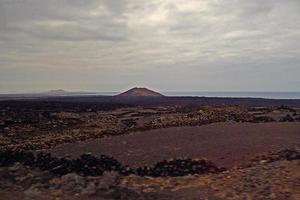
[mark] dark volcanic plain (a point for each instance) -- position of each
(256, 140)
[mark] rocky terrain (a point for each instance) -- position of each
(271, 176)
(154, 148)
(267, 180)
(40, 125)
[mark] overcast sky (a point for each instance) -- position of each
(168, 45)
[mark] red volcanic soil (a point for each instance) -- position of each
(140, 92)
(226, 144)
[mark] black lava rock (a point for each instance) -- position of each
(287, 118)
(178, 167)
(289, 155)
(89, 165)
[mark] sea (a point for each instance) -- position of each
(267, 95)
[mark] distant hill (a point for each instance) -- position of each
(56, 92)
(49, 93)
(140, 92)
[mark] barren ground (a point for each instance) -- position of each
(228, 132)
(226, 144)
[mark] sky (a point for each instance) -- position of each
(166, 45)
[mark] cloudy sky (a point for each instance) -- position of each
(168, 45)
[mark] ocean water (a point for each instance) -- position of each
(268, 95)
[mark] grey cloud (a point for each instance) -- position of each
(137, 41)
(76, 32)
(61, 20)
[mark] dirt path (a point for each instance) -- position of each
(226, 144)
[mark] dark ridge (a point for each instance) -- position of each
(178, 167)
(89, 165)
(150, 100)
(56, 106)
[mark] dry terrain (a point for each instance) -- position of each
(226, 144)
(154, 148)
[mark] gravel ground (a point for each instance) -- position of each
(278, 181)
(225, 144)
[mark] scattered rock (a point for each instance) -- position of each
(178, 167)
(90, 189)
(33, 193)
(110, 168)
(108, 180)
(287, 154)
(89, 165)
(257, 119)
(72, 182)
(287, 118)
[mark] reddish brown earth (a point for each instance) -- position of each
(140, 92)
(226, 144)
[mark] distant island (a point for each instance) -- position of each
(140, 92)
(56, 92)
